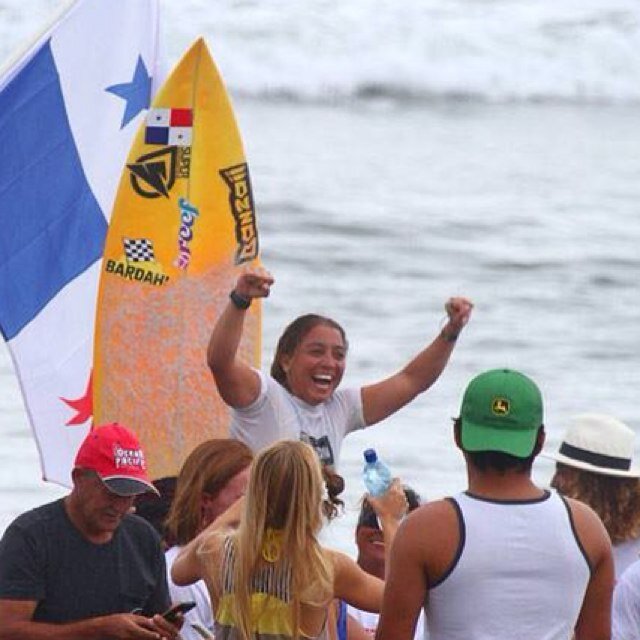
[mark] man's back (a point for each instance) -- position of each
(518, 566)
(430, 545)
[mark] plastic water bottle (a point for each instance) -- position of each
(376, 475)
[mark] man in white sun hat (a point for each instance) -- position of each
(84, 566)
(595, 466)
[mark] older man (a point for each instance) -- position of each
(84, 566)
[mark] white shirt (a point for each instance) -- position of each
(625, 554)
(369, 622)
(278, 415)
(198, 593)
(520, 572)
(625, 613)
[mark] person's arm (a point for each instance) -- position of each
(238, 384)
(594, 621)
(187, 568)
(390, 509)
(351, 583)
(383, 398)
(357, 587)
(17, 624)
(406, 585)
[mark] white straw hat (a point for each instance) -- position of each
(598, 443)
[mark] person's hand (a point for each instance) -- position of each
(168, 630)
(254, 282)
(458, 313)
(391, 506)
(130, 626)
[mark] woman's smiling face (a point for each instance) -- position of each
(317, 365)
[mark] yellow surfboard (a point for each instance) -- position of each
(183, 225)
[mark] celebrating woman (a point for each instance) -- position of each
(301, 399)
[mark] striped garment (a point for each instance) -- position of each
(270, 602)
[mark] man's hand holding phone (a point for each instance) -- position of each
(171, 621)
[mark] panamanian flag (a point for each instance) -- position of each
(169, 127)
(70, 106)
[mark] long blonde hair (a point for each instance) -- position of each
(284, 494)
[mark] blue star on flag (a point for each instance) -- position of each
(136, 93)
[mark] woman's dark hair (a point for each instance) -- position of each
(334, 483)
(293, 335)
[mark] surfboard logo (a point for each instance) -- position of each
(138, 250)
(138, 263)
(153, 174)
(243, 210)
(169, 127)
(188, 215)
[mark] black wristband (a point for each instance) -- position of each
(449, 337)
(239, 302)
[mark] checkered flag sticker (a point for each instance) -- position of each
(138, 250)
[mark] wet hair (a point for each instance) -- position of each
(207, 469)
(284, 494)
(293, 335)
(499, 461)
(368, 517)
(334, 483)
(616, 500)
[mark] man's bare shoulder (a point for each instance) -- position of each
(429, 537)
(590, 531)
(585, 518)
(439, 518)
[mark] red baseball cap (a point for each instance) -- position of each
(114, 453)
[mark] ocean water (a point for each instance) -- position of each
(403, 153)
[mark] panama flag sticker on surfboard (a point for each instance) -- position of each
(183, 225)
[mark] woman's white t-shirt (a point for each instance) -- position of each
(197, 592)
(276, 414)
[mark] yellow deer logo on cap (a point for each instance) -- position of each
(500, 406)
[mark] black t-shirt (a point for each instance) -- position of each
(43, 557)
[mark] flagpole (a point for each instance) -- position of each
(24, 51)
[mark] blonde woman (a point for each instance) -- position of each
(272, 576)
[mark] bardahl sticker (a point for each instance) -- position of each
(138, 264)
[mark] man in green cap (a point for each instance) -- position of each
(505, 558)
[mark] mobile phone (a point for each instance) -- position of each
(171, 614)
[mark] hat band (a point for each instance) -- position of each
(596, 459)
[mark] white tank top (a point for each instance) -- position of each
(520, 571)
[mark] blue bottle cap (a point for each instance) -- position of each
(370, 455)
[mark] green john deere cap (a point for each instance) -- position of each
(501, 411)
